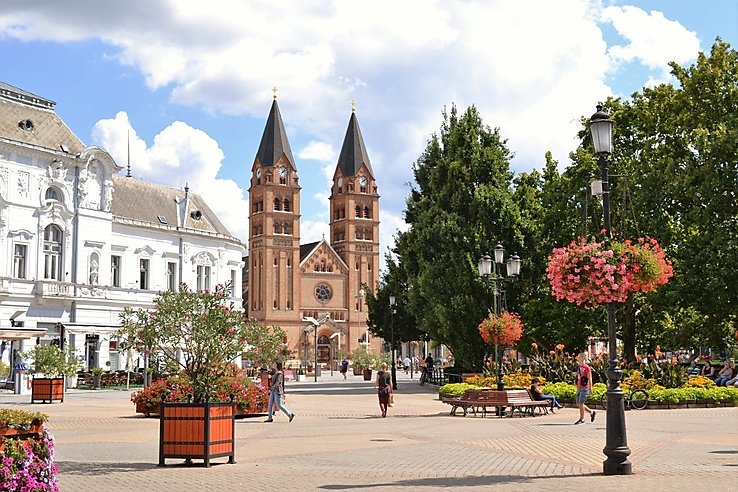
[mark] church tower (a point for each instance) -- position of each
(274, 222)
(354, 224)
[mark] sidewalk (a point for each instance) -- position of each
(338, 442)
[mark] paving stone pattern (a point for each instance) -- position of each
(338, 441)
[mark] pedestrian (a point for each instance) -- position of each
(416, 362)
(538, 395)
(584, 388)
(383, 387)
(276, 394)
(344, 367)
(406, 364)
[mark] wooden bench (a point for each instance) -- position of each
(479, 400)
(524, 403)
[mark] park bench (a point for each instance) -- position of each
(478, 400)
(524, 403)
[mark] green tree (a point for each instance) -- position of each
(266, 344)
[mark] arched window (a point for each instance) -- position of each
(286, 205)
(277, 228)
(277, 204)
(367, 213)
(288, 228)
(358, 211)
(53, 241)
(53, 194)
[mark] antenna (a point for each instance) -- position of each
(187, 189)
(128, 173)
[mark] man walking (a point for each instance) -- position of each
(584, 388)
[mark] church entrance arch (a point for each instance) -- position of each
(324, 348)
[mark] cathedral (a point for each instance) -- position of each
(313, 291)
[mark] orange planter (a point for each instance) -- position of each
(47, 390)
(197, 431)
(36, 432)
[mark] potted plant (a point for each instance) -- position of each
(589, 272)
(97, 373)
(50, 365)
(208, 331)
(365, 359)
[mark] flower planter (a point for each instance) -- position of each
(197, 431)
(35, 431)
(47, 390)
(147, 410)
(367, 374)
(357, 371)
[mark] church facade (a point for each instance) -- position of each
(314, 291)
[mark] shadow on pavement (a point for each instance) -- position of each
(101, 468)
(455, 482)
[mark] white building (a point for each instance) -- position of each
(78, 243)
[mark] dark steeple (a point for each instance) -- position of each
(353, 152)
(274, 141)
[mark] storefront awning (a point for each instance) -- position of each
(89, 328)
(20, 333)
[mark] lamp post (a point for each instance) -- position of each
(616, 440)
(392, 301)
(488, 273)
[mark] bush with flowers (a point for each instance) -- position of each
(198, 331)
(249, 397)
(27, 464)
(588, 272)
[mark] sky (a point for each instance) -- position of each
(190, 82)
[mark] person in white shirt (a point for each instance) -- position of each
(406, 364)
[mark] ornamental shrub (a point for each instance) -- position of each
(454, 390)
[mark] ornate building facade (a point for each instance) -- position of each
(80, 243)
(314, 291)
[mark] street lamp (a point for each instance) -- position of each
(392, 301)
(488, 273)
(616, 441)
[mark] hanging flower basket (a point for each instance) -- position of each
(588, 273)
(504, 330)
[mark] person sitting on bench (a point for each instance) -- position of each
(538, 395)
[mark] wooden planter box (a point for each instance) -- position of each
(357, 371)
(367, 374)
(47, 390)
(197, 431)
(36, 431)
(146, 410)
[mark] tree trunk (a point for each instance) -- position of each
(629, 330)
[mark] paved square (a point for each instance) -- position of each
(339, 442)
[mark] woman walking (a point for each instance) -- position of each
(584, 388)
(277, 393)
(382, 384)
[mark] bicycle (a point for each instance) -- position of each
(638, 400)
(423, 376)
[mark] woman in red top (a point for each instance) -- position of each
(584, 388)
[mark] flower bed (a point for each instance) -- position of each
(250, 398)
(27, 452)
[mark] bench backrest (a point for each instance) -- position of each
(518, 396)
(494, 397)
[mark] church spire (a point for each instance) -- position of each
(353, 152)
(274, 141)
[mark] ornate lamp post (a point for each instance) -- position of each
(392, 301)
(616, 444)
(488, 273)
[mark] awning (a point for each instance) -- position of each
(89, 328)
(20, 333)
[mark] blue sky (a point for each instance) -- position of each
(193, 85)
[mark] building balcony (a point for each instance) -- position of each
(53, 288)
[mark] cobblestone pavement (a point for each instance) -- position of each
(339, 442)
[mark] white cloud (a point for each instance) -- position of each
(652, 39)
(532, 68)
(179, 155)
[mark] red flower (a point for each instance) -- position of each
(586, 273)
(504, 330)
